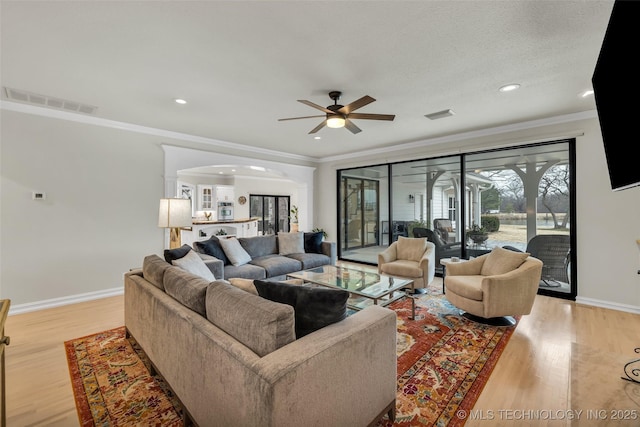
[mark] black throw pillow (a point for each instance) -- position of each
(212, 247)
(313, 242)
(314, 307)
(177, 253)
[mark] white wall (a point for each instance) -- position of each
(607, 224)
(103, 186)
(103, 182)
(98, 220)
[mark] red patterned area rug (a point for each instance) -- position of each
(113, 386)
(444, 362)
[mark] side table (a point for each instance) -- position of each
(444, 262)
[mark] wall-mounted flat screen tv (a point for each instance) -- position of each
(616, 91)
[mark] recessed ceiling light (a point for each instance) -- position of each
(509, 87)
(180, 101)
(317, 137)
(221, 173)
(587, 93)
(233, 170)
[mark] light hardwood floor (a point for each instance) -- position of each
(562, 359)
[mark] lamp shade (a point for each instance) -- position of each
(174, 213)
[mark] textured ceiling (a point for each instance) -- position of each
(242, 65)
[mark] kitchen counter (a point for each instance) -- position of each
(228, 221)
(203, 229)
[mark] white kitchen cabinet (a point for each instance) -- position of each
(224, 193)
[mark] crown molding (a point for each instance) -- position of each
(98, 121)
(567, 118)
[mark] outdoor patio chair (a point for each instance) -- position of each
(554, 251)
(444, 227)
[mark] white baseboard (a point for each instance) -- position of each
(57, 302)
(608, 304)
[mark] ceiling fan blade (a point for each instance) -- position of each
(319, 107)
(320, 126)
(358, 103)
(366, 116)
(306, 117)
(353, 128)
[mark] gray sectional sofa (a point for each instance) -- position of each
(232, 357)
(269, 259)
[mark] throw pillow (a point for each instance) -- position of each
(314, 307)
(500, 261)
(248, 286)
(313, 242)
(194, 265)
(244, 284)
(177, 253)
(234, 251)
(291, 243)
(212, 247)
(411, 248)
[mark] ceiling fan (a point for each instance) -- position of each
(338, 116)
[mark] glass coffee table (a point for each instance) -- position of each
(366, 285)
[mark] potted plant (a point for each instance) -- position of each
(294, 218)
(478, 234)
(320, 230)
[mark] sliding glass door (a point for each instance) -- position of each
(272, 213)
(519, 198)
(363, 218)
(360, 212)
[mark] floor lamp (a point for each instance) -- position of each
(173, 214)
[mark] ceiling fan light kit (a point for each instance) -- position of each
(337, 116)
(335, 121)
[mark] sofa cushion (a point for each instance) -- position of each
(313, 242)
(500, 261)
(290, 243)
(153, 269)
(261, 325)
(188, 289)
(192, 263)
(212, 247)
(247, 271)
(277, 265)
(177, 253)
(315, 307)
(411, 248)
(258, 246)
(310, 260)
(234, 251)
(403, 268)
(469, 287)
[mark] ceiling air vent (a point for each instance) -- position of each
(48, 101)
(439, 114)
